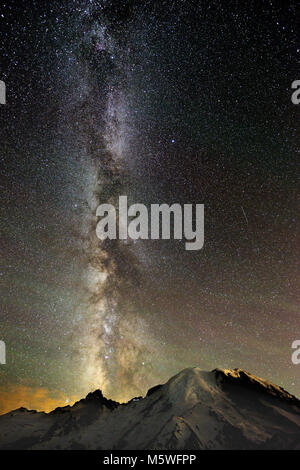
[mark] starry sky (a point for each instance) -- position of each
(171, 101)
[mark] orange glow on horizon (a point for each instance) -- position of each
(39, 399)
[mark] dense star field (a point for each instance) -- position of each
(171, 101)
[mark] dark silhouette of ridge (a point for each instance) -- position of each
(195, 409)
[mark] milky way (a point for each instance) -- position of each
(169, 102)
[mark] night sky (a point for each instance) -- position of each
(170, 101)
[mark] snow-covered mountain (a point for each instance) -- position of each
(222, 409)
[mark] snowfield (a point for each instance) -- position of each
(222, 409)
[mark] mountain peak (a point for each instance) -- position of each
(250, 381)
(97, 398)
(195, 409)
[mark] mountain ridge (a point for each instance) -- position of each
(195, 409)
